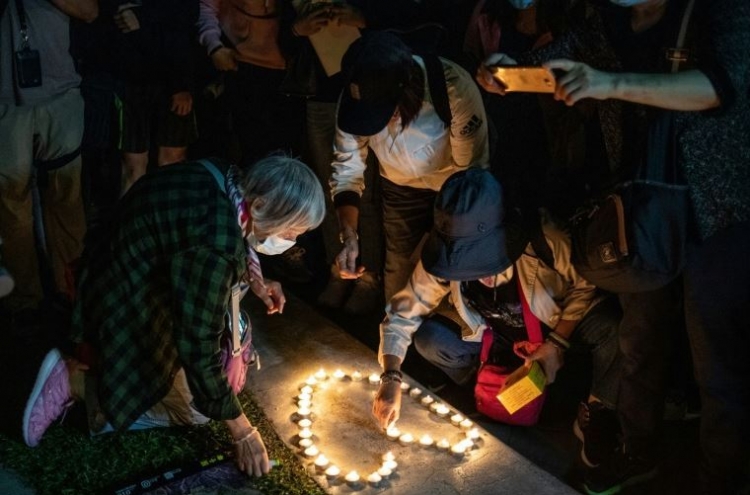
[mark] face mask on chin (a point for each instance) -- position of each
(499, 279)
(271, 245)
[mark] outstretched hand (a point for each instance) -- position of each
(580, 81)
(387, 405)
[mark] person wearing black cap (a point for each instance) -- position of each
(486, 266)
(386, 107)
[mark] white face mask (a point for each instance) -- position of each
(499, 279)
(522, 4)
(272, 245)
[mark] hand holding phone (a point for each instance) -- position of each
(516, 78)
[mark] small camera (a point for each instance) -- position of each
(28, 68)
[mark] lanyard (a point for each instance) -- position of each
(24, 27)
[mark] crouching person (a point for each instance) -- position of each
(487, 266)
(154, 294)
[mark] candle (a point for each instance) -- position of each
(320, 374)
(338, 375)
(305, 442)
(385, 471)
(472, 434)
(405, 386)
(388, 456)
(374, 479)
(459, 449)
(374, 379)
(311, 380)
(393, 433)
(426, 440)
(456, 419)
(332, 472)
(304, 404)
(321, 462)
(304, 396)
(390, 465)
(427, 400)
(305, 433)
(466, 424)
(306, 389)
(303, 412)
(415, 392)
(406, 439)
(312, 451)
(356, 376)
(352, 478)
(442, 410)
(304, 423)
(434, 406)
(443, 444)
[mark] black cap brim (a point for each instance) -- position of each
(363, 118)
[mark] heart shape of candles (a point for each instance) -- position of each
(322, 380)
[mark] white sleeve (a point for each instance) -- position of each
(209, 30)
(349, 162)
(469, 131)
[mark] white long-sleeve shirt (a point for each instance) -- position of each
(426, 153)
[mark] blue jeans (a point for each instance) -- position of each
(597, 332)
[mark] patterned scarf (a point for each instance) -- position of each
(234, 192)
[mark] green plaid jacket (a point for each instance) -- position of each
(154, 292)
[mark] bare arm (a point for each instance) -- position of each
(84, 10)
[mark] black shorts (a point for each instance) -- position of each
(145, 117)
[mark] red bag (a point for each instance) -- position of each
(492, 377)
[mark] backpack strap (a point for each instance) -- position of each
(533, 326)
(438, 87)
(532, 224)
(213, 170)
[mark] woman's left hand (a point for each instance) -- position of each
(551, 359)
(580, 81)
(269, 291)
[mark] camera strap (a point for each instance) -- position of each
(22, 22)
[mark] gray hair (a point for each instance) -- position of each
(283, 193)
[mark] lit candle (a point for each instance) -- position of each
(303, 412)
(415, 392)
(393, 433)
(472, 434)
(426, 440)
(388, 456)
(405, 386)
(332, 472)
(304, 404)
(311, 381)
(356, 376)
(406, 439)
(312, 451)
(339, 375)
(427, 400)
(434, 405)
(374, 479)
(306, 389)
(385, 471)
(443, 444)
(459, 449)
(304, 396)
(305, 423)
(456, 419)
(305, 442)
(305, 433)
(466, 424)
(321, 462)
(352, 478)
(442, 410)
(374, 379)
(321, 374)
(391, 465)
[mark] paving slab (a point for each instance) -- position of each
(301, 343)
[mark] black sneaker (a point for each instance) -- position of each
(597, 428)
(616, 472)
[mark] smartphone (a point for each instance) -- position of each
(524, 79)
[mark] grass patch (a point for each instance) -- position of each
(69, 462)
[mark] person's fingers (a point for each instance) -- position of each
(560, 63)
(562, 92)
(575, 96)
(498, 59)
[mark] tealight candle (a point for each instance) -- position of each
(406, 439)
(303, 412)
(415, 392)
(311, 381)
(332, 472)
(321, 374)
(312, 451)
(442, 410)
(472, 434)
(393, 433)
(305, 442)
(374, 379)
(305, 423)
(434, 405)
(306, 389)
(456, 419)
(388, 456)
(427, 400)
(304, 404)
(466, 424)
(459, 449)
(304, 396)
(339, 375)
(384, 471)
(426, 440)
(352, 478)
(374, 479)
(405, 386)
(356, 376)
(305, 433)
(321, 462)
(443, 444)
(391, 465)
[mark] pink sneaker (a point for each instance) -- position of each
(49, 398)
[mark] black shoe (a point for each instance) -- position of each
(618, 471)
(597, 427)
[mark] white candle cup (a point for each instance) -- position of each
(304, 412)
(306, 389)
(356, 376)
(304, 404)
(352, 479)
(374, 479)
(427, 400)
(305, 433)
(442, 410)
(305, 443)
(374, 379)
(311, 381)
(304, 396)
(321, 374)
(443, 444)
(466, 424)
(304, 423)
(391, 465)
(473, 434)
(311, 451)
(405, 387)
(426, 441)
(332, 472)
(415, 392)
(388, 456)
(406, 439)
(321, 463)
(459, 449)
(456, 419)
(393, 433)
(384, 472)
(339, 375)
